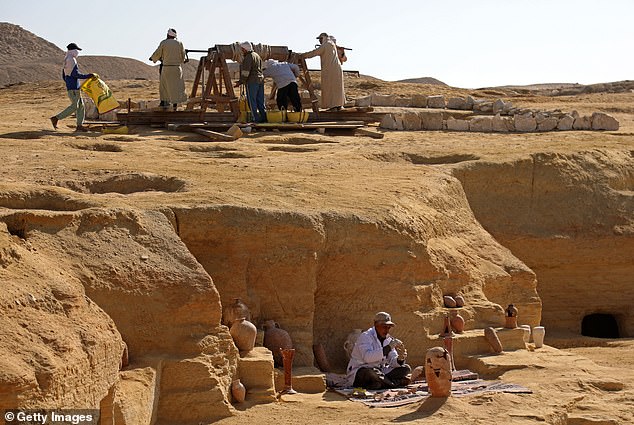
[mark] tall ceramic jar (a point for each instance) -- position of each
(276, 339)
(235, 311)
(243, 333)
(457, 322)
(348, 345)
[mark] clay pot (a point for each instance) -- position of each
(449, 301)
(243, 333)
(459, 301)
(438, 372)
(527, 333)
(492, 338)
(320, 358)
(238, 391)
(511, 317)
(276, 339)
(348, 345)
(538, 336)
(235, 311)
(457, 322)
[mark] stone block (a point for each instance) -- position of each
(388, 122)
(525, 123)
(431, 120)
(437, 102)
(457, 125)
(501, 124)
(256, 372)
(419, 101)
(582, 123)
(565, 123)
(481, 124)
(459, 103)
(307, 380)
(548, 124)
(364, 101)
(134, 396)
(603, 121)
(411, 121)
(383, 99)
(403, 102)
(498, 106)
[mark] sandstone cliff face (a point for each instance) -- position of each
(320, 275)
(96, 279)
(570, 218)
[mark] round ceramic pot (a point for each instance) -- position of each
(243, 333)
(276, 339)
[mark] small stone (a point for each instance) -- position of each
(145, 257)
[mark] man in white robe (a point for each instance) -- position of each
(333, 96)
(171, 53)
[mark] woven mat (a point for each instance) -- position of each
(417, 392)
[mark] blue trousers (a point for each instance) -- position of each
(255, 97)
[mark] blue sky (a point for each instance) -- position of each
(467, 44)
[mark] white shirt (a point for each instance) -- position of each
(282, 73)
(368, 352)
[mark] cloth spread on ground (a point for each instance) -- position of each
(462, 385)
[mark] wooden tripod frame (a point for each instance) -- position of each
(218, 90)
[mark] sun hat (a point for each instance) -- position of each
(383, 318)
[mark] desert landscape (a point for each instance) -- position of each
(121, 251)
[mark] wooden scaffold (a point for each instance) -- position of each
(217, 91)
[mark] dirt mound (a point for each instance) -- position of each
(422, 80)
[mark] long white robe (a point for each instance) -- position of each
(172, 53)
(332, 91)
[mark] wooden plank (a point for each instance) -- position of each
(370, 133)
(214, 135)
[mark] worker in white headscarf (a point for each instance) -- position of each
(171, 53)
(333, 96)
(71, 76)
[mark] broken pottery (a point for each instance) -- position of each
(492, 338)
(459, 301)
(438, 372)
(457, 322)
(449, 301)
(348, 345)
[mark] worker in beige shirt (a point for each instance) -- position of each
(171, 53)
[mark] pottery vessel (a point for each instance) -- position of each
(511, 317)
(457, 322)
(287, 359)
(459, 300)
(348, 345)
(438, 372)
(492, 338)
(449, 301)
(538, 336)
(235, 311)
(238, 391)
(243, 333)
(446, 327)
(276, 339)
(320, 358)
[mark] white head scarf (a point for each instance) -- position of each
(70, 61)
(246, 46)
(171, 32)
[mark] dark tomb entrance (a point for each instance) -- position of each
(599, 325)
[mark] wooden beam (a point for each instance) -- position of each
(214, 135)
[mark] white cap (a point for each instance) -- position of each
(171, 32)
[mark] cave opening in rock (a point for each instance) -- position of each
(600, 325)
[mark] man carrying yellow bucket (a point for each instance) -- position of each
(71, 76)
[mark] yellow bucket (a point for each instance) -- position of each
(301, 116)
(275, 116)
(99, 92)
